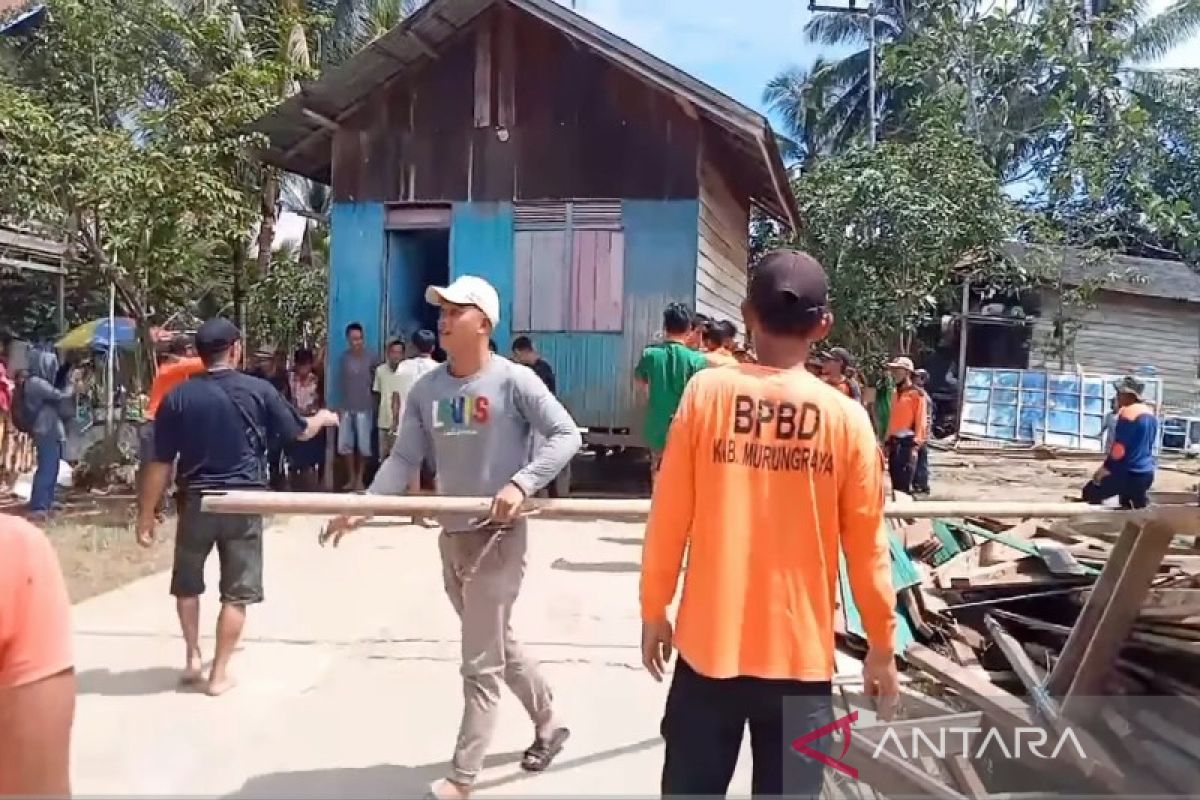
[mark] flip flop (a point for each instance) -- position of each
(542, 752)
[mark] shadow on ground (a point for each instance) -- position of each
(134, 683)
(394, 781)
(595, 566)
(635, 541)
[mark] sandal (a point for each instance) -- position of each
(542, 752)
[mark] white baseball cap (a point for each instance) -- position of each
(468, 290)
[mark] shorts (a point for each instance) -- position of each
(355, 431)
(309, 454)
(239, 542)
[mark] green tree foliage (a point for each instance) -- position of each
(897, 227)
(123, 127)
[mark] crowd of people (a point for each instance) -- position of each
(692, 342)
(765, 476)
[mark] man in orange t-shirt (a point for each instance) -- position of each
(908, 425)
(175, 369)
(768, 473)
(37, 676)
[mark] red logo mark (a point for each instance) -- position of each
(800, 744)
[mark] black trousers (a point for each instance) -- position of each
(901, 465)
(706, 717)
(1130, 489)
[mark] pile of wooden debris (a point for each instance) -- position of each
(1086, 629)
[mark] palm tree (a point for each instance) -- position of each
(310, 200)
(800, 98)
(357, 23)
(833, 95)
(842, 83)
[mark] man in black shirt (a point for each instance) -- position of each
(218, 424)
(524, 353)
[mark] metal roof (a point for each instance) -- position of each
(1122, 274)
(311, 114)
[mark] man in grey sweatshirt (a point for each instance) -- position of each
(474, 417)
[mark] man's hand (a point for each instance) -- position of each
(882, 682)
(146, 530)
(506, 503)
(326, 418)
(339, 526)
(657, 646)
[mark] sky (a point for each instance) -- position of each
(735, 47)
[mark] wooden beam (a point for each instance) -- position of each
(891, 775)
(1098, 764)
(423, 45)
(1095, 642)
(320, 119)
(1000, 706)
(265, 502)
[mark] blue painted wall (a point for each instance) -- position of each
(595, 370)
(356, 281)
(481, 243)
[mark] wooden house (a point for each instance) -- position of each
(1143, 314)
(590, 182)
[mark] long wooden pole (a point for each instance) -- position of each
(630, 510)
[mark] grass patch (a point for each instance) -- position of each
(99, 552)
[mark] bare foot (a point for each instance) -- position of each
(193, 673)
(216, 688)
(446, 789)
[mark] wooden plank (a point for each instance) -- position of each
(891, 775)
(506, 78)
(1072, 655)
(1002, 707)
(523, 242)
(964, 774)
(610, 285)
(483, 75)
(583, 280)
(1095, 649)
(549, 275)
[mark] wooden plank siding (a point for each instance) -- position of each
(1124, 333)
(512, 110)
(724, 253)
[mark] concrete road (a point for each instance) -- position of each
(348, 676)
(349, 680)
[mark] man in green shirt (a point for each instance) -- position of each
(665, 368)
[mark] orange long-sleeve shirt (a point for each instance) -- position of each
(908, 413)
(169, 376)
(766, 474)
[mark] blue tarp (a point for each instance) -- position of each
(904, 574)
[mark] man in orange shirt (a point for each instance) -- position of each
(177, 367)
(718, 340)
(768, 473)
(837, 364)
(908, 425)
(37, 675)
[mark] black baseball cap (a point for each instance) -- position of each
(841, 354)
(788, 292)
(216, 336)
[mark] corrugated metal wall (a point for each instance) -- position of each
(595, 370)
(356, 281)
(1124, 333)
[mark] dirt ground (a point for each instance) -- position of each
(94, 538)
(959, 476)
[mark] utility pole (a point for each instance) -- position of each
(854, 8)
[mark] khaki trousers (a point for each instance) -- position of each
(491, 656)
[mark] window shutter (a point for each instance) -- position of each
(540, 216)
(596, 215)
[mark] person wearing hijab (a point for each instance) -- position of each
(47, 407)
